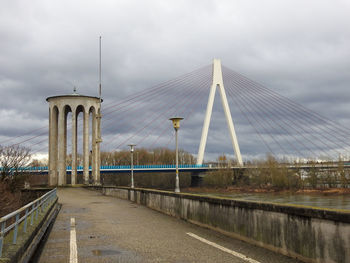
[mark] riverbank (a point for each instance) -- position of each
(15, 199)
(9, 201)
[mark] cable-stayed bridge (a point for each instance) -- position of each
(265, 121)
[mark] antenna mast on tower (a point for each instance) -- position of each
(100, 86)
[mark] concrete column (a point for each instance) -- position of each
(53, 147)
(65, 148)
(93, 147)
(86, 146)
(61, 147)
(50, 147)
(74, 147)
(98, 142)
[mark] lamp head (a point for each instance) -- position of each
(132, 147)
(176, 122)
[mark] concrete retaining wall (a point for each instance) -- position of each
(310, 234)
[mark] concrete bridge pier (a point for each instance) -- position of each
(196, 179)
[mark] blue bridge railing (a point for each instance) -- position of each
(162, 166)
(119, 167)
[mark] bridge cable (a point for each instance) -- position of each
(283, 108)
(265, 114)
(314, 115)
(161, 113)
(246, 102)
(182, 113)
(155, 105)
(257, 102)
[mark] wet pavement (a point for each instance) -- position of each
(108, 229)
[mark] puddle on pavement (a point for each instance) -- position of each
(74, 210)
(107, 252)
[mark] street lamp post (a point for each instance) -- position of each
(176, 124)
(132, 163)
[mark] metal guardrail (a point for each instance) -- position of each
(31, 210)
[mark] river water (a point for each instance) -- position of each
(314, 200)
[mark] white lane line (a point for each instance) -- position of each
(73, 242)
(234, 253)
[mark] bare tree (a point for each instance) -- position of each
(12, 159)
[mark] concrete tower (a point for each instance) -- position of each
(59, 107)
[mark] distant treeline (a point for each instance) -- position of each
(273, 174)
(143, 156)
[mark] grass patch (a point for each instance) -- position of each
(9, 249)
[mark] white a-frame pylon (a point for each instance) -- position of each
(217, 81)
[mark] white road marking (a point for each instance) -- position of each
(234, 253)
(73, 242)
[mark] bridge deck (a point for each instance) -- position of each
(113, 230)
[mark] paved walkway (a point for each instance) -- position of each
(108, 229)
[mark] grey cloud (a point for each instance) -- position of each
(297, 48)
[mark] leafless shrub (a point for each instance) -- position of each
(12, 159)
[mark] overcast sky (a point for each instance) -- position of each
(299, 49)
